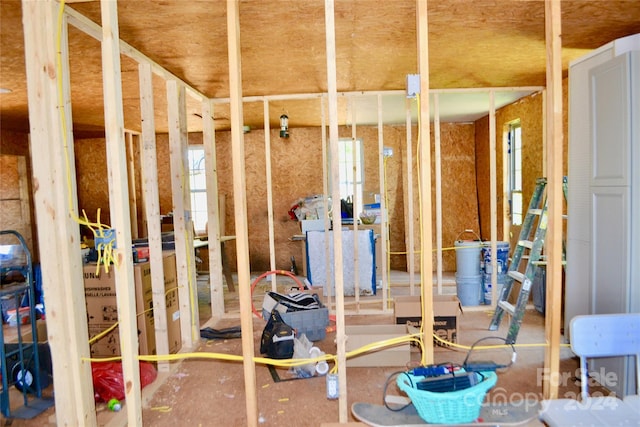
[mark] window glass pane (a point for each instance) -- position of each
(517, 207)
(346, 164)
(198, 184)
(515, 171)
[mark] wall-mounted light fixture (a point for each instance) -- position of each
(284, 126)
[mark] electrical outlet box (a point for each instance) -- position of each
(413, 85)
(387, 152)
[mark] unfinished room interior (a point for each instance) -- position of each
(317, 213)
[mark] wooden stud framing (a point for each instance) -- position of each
(131, 171)
(182, 225)
(52, 181)
(493, 195)
(341, 338)
(149, 172)
(355, 202)
(553, 244)
(384, 222)
(409, 218)
(426, 264)
(118, 205)
(325, 200)
(506, 211)
(214, 211)
(55, 201)
(25, 196)
(438, 167)
(240, 205)
(92, 29)
(267, 152)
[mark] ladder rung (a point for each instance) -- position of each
(545, 262)
(535, 211)
(517, 276)
(526, 243)
(508, 307)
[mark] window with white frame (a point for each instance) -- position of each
(514, 144)
(351, 165)
(197, 181)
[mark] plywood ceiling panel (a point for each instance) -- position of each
(472, 44)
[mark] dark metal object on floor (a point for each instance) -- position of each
(21, 362)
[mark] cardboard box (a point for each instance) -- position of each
(174, 333)
(446, 309)
(361, 335)
(11, 334)
(102, 311)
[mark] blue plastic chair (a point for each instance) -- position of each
(593, 336)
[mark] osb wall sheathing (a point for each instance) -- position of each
(459, 202)
(459, 192)
(16, 201)
(529, 111)
(297, 172)
(92, 179)
(296, 165)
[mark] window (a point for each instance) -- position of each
(351, 156)
(514, 144)
(197, 181)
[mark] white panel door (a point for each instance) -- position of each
(610, 120)
(609, 250)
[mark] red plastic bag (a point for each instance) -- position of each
(108, 382)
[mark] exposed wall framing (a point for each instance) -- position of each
(53, 198)
(67, 331)
(554, 163)
(240, 204)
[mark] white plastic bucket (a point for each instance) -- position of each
(469, 289)
(468, 255)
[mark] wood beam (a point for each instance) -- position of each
(493, 195)
(149, 173)
(92, 29)
(131, 172)
(341, 339)
(214, 211)
(240, 207)
(267, 162)
(438, 167)
(426, 264)
(553, 243)
(325, 199)
(182, 223)
(355, 201)
(409, 216)
(384, 222)
(119, 209)
(55, 202)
